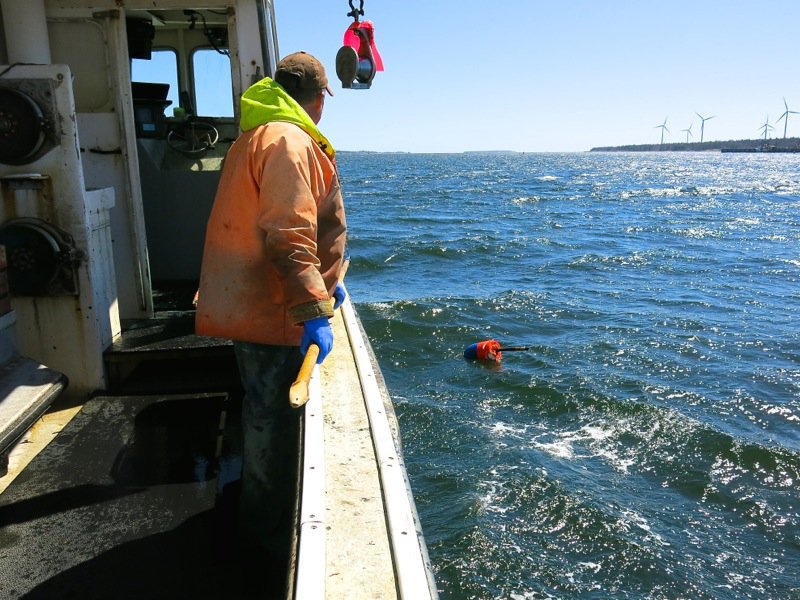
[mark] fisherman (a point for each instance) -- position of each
(273, 253)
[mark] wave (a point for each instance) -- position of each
(646, 445)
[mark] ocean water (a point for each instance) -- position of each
(648, 443)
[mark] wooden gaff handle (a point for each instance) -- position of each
(298, 393)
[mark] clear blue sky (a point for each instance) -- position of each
(531, 75)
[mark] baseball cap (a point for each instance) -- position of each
(301, 71)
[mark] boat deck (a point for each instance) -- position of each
(358, 553)
(121, 499)
(121, 504)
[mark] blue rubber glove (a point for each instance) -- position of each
(339, 294)
(317, 331)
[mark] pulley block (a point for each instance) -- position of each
(358, 59)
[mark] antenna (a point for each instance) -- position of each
(688, 132)
(766, 127)
(703, 124)
(785, 117)
(663, 128)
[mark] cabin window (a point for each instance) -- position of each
(161, 68)
(212, 83)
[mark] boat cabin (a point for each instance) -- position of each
(115, 119)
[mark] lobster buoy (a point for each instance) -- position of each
(489, 350)
(486, 350)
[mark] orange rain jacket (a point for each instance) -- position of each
(276, 235)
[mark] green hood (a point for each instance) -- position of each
(266, 101)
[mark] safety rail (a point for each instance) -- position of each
(310, 571)
(412, 566)
(406, 569)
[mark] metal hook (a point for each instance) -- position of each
(356, 12)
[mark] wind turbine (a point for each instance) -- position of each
(663, 128)
(766, 127)
(688, 132)
(703, 124)
(785, 117)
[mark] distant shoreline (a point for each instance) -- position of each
(760, 145)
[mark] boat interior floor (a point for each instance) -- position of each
(163, 354)
(124, 501)
(124, 504)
